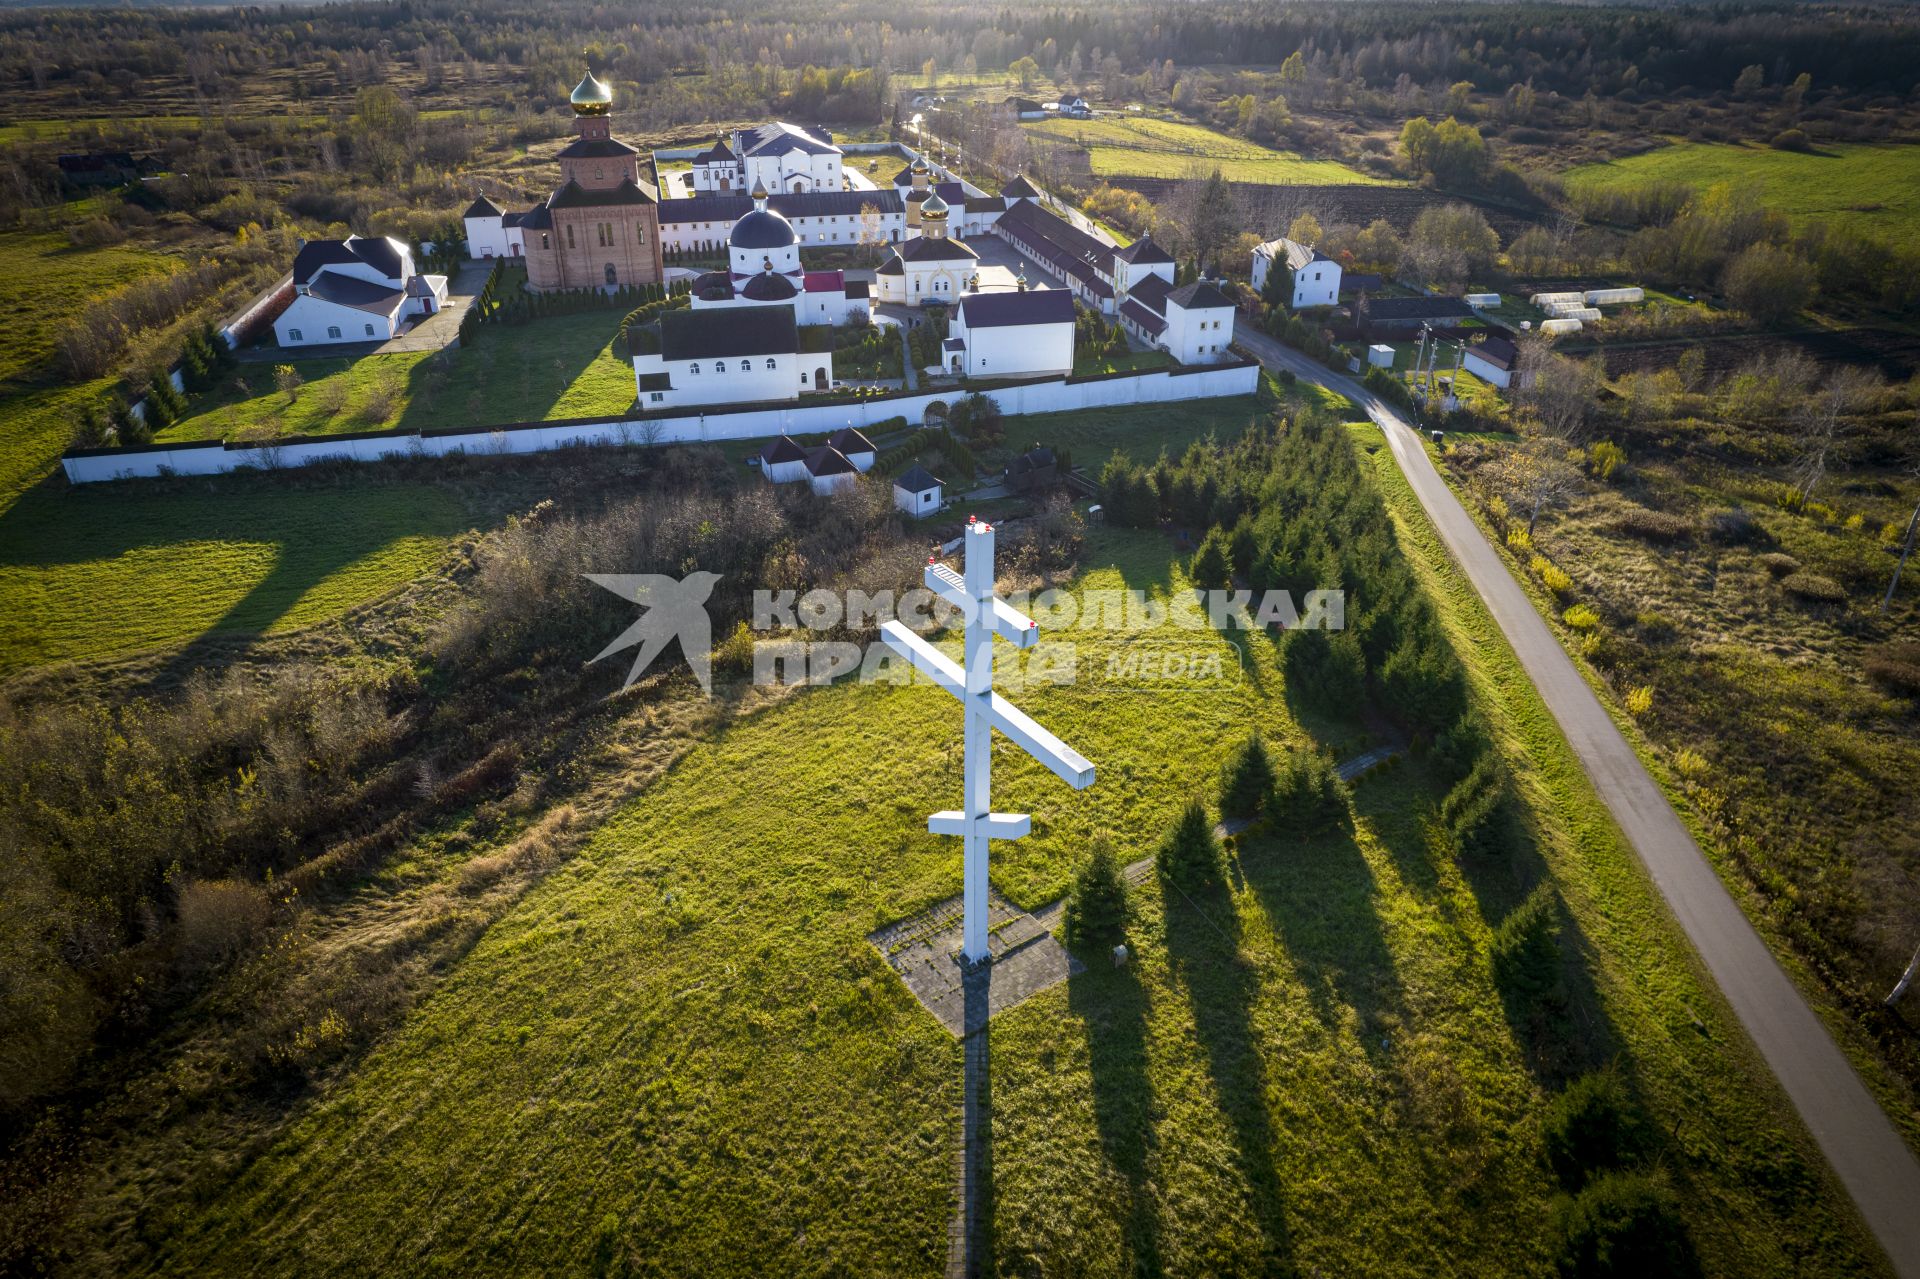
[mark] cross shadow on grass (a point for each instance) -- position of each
(1114, 1007)
(1202, 933)
(1319, 894)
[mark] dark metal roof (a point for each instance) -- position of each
(850, 441)
(828, 460)
(482, 208)
(925, 249)
(575, 196)
(1031, 306)
(916, 479)
(1151, 293)
(716, 153)
(1201, 295)
(986, 204)
(783, 449)
(781, 137)
(1143, 252)
(891, 266)
(384, 256)
(762, 229)
(349, 290)
(597, 149)
(727, 331)
(1497, 351)
(1020, 187)
(1149, 323)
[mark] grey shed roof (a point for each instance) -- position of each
(1002, 310)
(916, 479)
(1201, 295)
(725, 331)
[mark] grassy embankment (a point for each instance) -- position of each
(1871, 188)
(683, 1040)
(1149, 148)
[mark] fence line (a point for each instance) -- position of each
(724, 422)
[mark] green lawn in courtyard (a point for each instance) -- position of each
(562, 366)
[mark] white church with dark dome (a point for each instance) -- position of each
(763, 269)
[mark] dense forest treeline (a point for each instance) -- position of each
(1560, 49)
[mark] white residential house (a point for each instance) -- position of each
(359, 289)
(1199, 323)
(1496, 362)
(1316, 277)
(1018, 334)
(747, 355)
(918, 493)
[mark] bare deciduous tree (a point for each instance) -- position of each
(1822, 421)
(1535, 475)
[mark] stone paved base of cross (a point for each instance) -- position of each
(971, 681)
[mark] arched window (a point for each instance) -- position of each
(693, 368)
(771, 364)
(746, 366)
(333, 331)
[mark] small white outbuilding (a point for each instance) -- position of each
(1380, 355)
(917, 492)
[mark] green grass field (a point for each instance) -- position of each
(1871, 188)
(45, 282)
(102, 570)
(558, 367)
(680, 1044)
(1149, 148)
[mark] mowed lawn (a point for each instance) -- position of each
(680, 1055)
(1872, 188)
(104, 570)
(563, 366)
(1148, 148)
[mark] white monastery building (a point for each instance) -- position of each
(1316, 277)
(778, 156)
(359, 289)
(763, 267)
(726, 355)
(1018, 334)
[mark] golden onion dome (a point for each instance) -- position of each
(590, 97)
(935, 207)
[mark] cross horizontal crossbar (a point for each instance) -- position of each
(996, 825)
(1009, 623)
(1069, 765)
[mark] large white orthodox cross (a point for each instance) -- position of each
(986, 615)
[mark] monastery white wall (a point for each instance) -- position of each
(1052, 395)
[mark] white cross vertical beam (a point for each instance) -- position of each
(986, 616)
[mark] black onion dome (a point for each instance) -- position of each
(762, 229)
(768, 287)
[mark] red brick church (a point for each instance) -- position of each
(602, 225)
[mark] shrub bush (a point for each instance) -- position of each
(1189, 856)
(1896, 668)
(219, 919)
(1735, 526)
(1622, 1225)
(1551, 575)
(1471, 806)
(1779, 563)
(1590, 1127)
(1640, 700)
(1605, 458)
(1247, 780)
(1655, 526)
(1814, 588)
(1581, 617)
(1526, 946)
